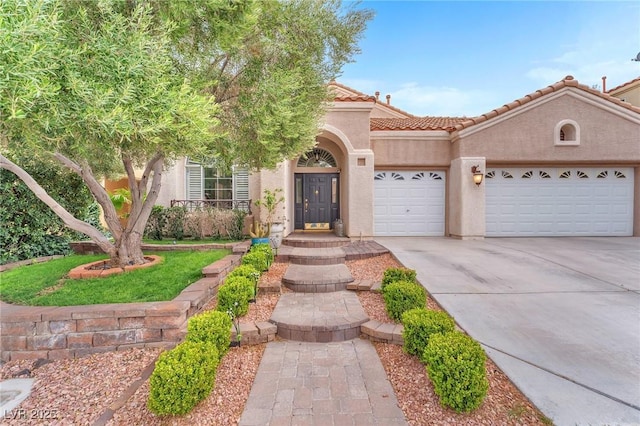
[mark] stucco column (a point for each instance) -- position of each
(272, 180)
(358, 216)
(466, 199)
(636, 202)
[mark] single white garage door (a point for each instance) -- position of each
(559, 202)
(409, 203)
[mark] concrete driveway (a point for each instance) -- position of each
(560, 316)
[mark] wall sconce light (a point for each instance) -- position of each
(477, 175)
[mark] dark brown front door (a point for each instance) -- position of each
(317, 200)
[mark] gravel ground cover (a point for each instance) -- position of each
(80, 390)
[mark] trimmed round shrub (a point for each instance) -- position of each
(257, 259)
(456, 367)
(247, 271)
(392, 275)
(266, 249)
(420, 324)
(182, 378)
(234, 296)
(210, 326)
(400, 296)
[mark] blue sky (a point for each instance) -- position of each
(466, 58)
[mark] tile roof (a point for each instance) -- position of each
(359, 96)
(355, 97)
(416, 123)
(451, 124)
(568, 81)
(628, 83)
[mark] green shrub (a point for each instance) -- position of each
(266, 249)
(175, 222)
(211, 326)
(257, 259)
(420, 324)
(234, 296)
(397, 274)
(28, 227)
(182, 378)
(247, 271)
(235, 229)
(400, 296)
(156, 223)
(456, 366)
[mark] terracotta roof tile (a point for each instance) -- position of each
(416, 123)
(359, 97)
(568, 81)
(623, 85)
(355, 97)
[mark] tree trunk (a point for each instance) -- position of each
(128, 250)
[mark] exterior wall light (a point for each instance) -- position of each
(477, 175)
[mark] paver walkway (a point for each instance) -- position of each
(305, 383)
(301, 381)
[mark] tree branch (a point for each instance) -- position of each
(154, 167)
(99, 193)
(68, 219)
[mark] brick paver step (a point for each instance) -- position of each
(319, 317)
(317, 278)
(315, 240)
(317, 256)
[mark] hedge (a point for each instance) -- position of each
(213, 327)
(456, 367)
(182, 378)
(400, 296)
(398, 274)
(419, 324)
(234, 296)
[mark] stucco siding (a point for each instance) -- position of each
(389, 153)
(353, 123)
(629, 93)
(528, 136)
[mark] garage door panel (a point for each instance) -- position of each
(561, 201)
(410, 203)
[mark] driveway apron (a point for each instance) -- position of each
(560, 316)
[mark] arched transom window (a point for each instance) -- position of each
(317, 157)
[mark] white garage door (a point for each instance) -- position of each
(409, 203)
(559, 201)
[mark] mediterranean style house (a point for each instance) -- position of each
(562, 161)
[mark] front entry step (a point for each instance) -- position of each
(326, 317)
(316, 256)
(317, 278)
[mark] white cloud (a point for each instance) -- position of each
(442, 101)
(599, 48)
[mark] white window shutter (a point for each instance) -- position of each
(194, 183)
(241, 184)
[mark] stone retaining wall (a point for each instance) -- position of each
(50, 332)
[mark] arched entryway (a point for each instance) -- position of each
(316, 190)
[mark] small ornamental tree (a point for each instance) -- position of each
(113, 88)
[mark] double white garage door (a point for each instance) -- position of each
(519, 202)
(559, 201)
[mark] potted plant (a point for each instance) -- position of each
(259, 233)
(271, 200)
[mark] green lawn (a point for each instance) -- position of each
(44, 284)
(168, 241)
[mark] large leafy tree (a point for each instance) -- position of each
(112, 87)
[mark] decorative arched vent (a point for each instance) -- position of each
(567, 133)
(317, 157)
